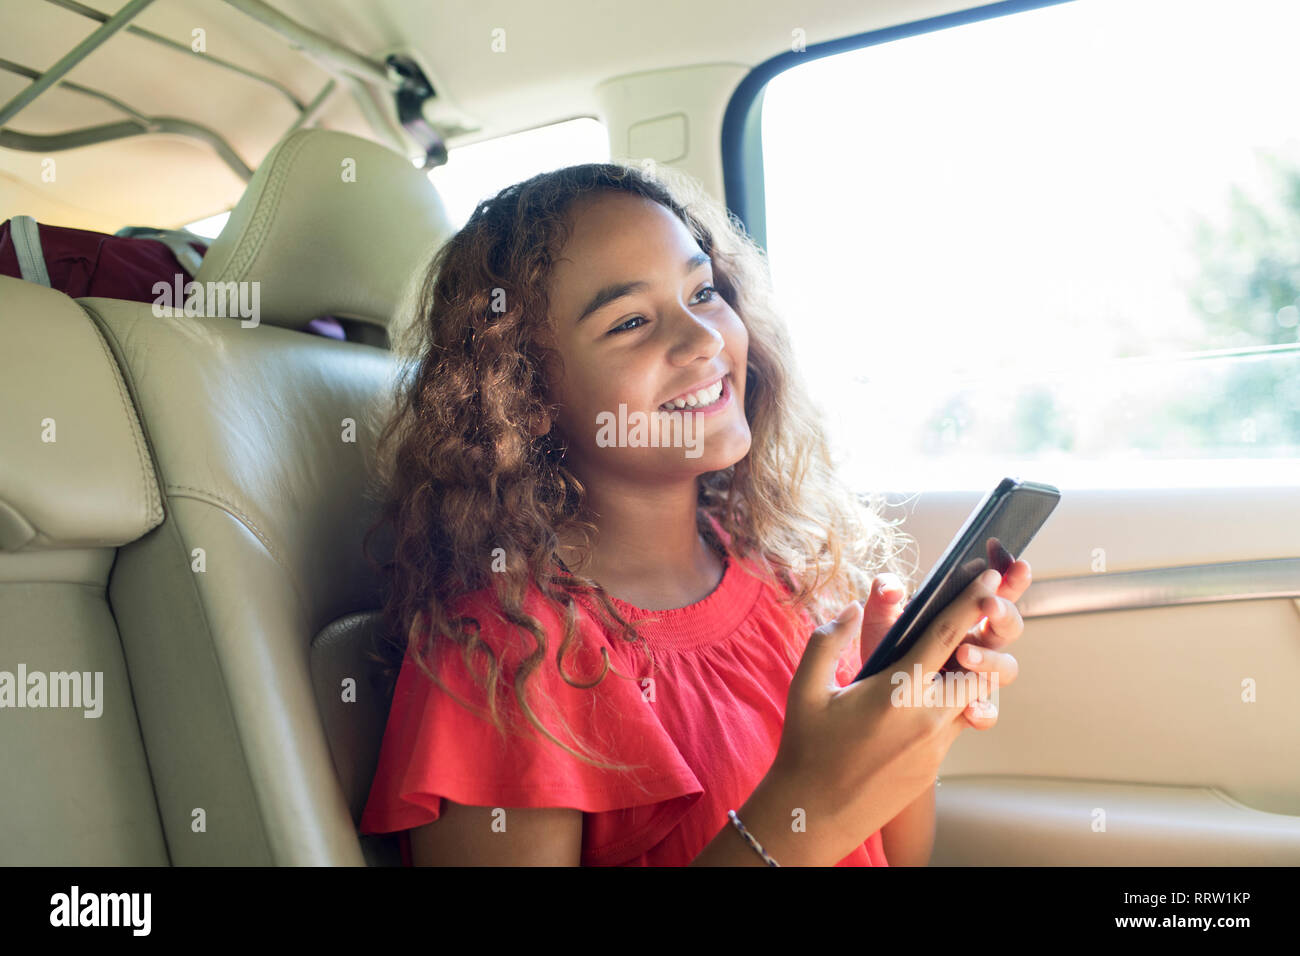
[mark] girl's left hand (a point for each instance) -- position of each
(1001, 625)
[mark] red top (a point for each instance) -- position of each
(703, 733)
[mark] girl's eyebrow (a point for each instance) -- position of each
(618, 290)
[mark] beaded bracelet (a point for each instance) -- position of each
(758, 848)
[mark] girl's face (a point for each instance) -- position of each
(639, 324)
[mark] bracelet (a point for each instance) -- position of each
(758, 848)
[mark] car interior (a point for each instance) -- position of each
(183, 498)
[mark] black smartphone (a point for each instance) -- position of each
(995, 534)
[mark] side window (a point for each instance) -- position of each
(1063, 242)
(475, 172)
(209, 227)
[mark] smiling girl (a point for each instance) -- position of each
(603, 640)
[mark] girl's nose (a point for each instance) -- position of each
(694, 337)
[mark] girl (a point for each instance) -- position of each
(617, 529)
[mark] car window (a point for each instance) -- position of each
(209, 226)
(1066, 236)
(473, 173)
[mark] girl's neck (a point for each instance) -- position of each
(647, 577)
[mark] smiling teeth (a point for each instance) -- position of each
(705, 396)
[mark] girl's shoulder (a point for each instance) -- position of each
(513, 636)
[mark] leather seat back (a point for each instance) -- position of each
(76, 485)
(250, 607)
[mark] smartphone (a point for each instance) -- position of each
(997, 531)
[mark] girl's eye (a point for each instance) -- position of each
(709, 288)
(713, 294)
(624, 327)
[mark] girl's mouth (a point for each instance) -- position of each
(705, 401)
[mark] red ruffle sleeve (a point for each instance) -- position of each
(435, 749)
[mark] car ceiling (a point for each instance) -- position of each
(555, 55)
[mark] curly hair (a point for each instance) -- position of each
(465, 476)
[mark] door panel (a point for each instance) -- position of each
(986, 820)
(1157, 682)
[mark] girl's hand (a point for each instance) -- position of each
(1001, 625)
(853, 757)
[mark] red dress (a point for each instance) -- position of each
(703, 733)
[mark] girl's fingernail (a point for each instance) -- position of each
(983, 708)
(888, 588)
(973, 654)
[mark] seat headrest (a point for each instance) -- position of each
(75, 470)
(330, 224)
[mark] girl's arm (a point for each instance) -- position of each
(908, 839)
(473, 836)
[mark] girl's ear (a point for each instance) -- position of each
(539, 425)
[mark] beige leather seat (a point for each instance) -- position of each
(244, 611)
(76, 484)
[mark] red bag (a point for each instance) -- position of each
(83, 263)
